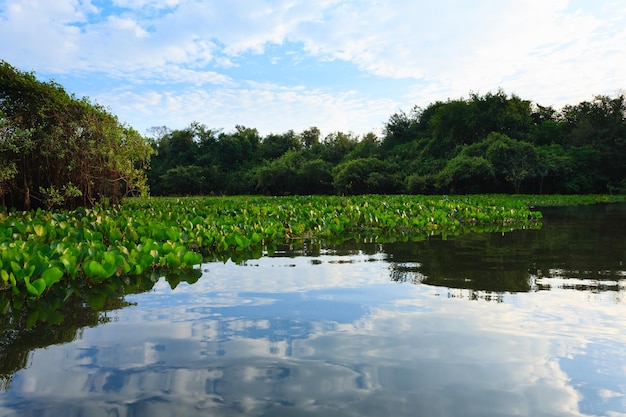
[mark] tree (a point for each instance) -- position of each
(184, 180)
(466, 174)
(336, 146)
(552, 164)
(400, 128)
(365, 176)
(367, 147)
(58, 149)
(497, 112)
(273, 146)
(600, 124)
(310, 137)
(513, 160)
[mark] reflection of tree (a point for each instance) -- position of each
(582, 242)
(481, 262)
(33, 324)
(20, 335)
(575, 242)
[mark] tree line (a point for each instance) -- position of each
(492, 143)
(57, 150)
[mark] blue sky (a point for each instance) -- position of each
(340, 65)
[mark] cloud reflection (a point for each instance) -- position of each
(332, 338)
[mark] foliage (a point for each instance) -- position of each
(365, 176)
(466, 174)
(41, 248)
(482, 144)
(57, 150)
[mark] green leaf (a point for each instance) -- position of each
(255, 238)
(172, 234)
(109, 269)
(95, 301)
(39, 229)
(39, 285)
(173, 261)
(51, 276)
(114, 235)
(16, 267)
(109, 257)
(35, 288)
(93, 269)
(28, 272)
(32, 319)
(192, 258)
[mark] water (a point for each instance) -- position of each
(526, 323)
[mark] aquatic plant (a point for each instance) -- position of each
(41, 249)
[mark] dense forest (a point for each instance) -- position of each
(494, 143)
(60, 151)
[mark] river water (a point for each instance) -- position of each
(523, 323)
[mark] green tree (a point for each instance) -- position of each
(310, 137)
(515, 161)
(365, 176)
(57, 148)
(466, 174)
(273, 146)
(600, 124)
(184, 180)
(336, 146)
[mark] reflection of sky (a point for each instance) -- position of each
(334, 338)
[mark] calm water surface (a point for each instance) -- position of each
(526, 323)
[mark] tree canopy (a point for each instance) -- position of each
(486, 143)
(58, 150)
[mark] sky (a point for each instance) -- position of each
(339, 65)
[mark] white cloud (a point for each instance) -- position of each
(127, 24)
(267, 107)
(553, 52)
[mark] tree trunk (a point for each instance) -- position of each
(26, 195)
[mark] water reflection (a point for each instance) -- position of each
(394, 329)
(577, 247)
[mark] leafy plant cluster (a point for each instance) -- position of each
(493, 143)
(39, 249)
(60, 151)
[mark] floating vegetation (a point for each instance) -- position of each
(40, 250)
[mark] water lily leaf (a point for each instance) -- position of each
(114, 235)
(39, 285)
(32, 319)
(39, 229)
(172, 260)
(95, 301)
(109, 269)
(255, 237)
(35, 288)
(109, 257)
(51, 276)
(94, 269)
(192, 258)
(28, 271)
(16, 268)
(172, 234)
